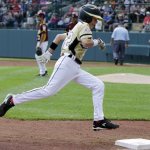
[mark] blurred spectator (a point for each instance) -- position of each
(11, 1)
(43, 1)
(133, 16)
(128, 3)
(60, 23)
(77, 9)
(24, 8)
(30, 18)
(67, 20)
(74, 20)
(71, 10)
(108, 21)
(107, 7)
(113, 4)
(52, 23)
(142, 12)
(18, 20)
(15, 8)
(146, 19)
(127, 22)
(8, 20)
(118, 18)
(4, 8)
(146, 22)
(24, 11)
(99, 26)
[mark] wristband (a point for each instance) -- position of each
(95, 42)
(53, 46)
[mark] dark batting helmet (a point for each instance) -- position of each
(89, 11)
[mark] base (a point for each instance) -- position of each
(137, 144)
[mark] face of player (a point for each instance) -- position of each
(93, 23)
(40, 18)
(74, 19)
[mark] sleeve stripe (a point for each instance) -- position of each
(85, 35)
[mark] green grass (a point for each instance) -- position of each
(74, 102)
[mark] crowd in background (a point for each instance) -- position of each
(22, 13)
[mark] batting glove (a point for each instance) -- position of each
(44, 58)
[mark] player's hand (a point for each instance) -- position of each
(44, 58)
(102, 44)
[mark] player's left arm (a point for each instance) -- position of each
(90, 42)
(87, 40)
(43, 36)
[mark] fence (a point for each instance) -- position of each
(21, 44)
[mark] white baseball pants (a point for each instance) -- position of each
(42, 66)
(65, 70)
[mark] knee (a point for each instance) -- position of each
(99, 85)
(49, 91)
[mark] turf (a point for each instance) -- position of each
(74, 102)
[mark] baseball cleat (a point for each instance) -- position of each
(44, 74)
(6, 105)
(116, 61)
(104, 124)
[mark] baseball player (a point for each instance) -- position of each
(68, 68)
(42, 41)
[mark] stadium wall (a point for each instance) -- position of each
(16, 43)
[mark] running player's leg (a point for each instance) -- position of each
(97, 86)
(64, 71)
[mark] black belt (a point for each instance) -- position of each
(75, 59)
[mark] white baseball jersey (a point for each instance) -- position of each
(72, 43)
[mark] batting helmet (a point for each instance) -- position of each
(89, 11)
(41, 13)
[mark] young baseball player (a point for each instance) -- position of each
(42, 41)
(67, 68)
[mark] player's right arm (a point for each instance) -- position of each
(56, 41)
(44, 58)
